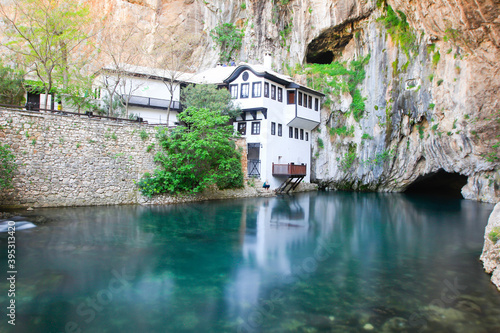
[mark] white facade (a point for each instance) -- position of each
(146, 91)
(277, 119)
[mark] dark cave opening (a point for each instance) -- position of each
(329, 45)
(320, 58)
(440, 183)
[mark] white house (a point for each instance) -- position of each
(277, 118)
(146, 90)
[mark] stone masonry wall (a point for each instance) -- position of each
(79, 161)
(74, 160)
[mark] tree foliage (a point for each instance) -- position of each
(11, 86)
(49, 37)
(7, 166)
(210, 97)
(195, 156)
(229, 39)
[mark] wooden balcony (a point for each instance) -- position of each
(289, 169)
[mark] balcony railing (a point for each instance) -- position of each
(153, 102)
(289, 169)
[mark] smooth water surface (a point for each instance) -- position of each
(316, 262)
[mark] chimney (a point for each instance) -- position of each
(268, 60)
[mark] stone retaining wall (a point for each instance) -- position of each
(74, 160)
(79, 161)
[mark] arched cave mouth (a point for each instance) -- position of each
(329, 45)
(440, 183)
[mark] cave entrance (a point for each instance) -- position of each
(328, 46)
(440, 183)
(320, 58)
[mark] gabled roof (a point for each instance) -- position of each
(216, 75)
(225, 75)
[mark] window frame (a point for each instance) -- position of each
(255, 128)
(296, 133)
(280, 94)
(290, 132)
(280, 130)
(291, 93)
(273, 128)
(273, 91)
(299, 99)
(235, 87)
(242, 127)
(247, 85)
(307, 136)
(266, 89)
(256, 93)
(301, 134)
(316, 104)
(310, 102)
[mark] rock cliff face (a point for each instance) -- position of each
(491, 249)
(431, 109)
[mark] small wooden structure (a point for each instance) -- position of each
(295, 174)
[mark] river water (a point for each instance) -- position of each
(313, 262)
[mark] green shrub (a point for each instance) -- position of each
(494, 234)
(366, 136)
(229, 39)
(342, 131)
(348, 160)
(399, 29)
(320, 143)
(7, 166)
(144, 135)
(196, 156)
(336, 78)
(435, 58)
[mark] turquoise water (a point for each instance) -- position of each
(315, 262)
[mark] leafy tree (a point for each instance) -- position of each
(7, 166)
(229, 39)
(196, 156)
(49, 37)
(11, 86)
(210, 97)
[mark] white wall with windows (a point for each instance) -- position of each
(269, 127)
(151, 93)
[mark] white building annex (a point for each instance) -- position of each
(277, 118)
(145, 90)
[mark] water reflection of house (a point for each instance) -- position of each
(276, 230)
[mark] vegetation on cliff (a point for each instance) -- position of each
(229, 39)
(337, 78)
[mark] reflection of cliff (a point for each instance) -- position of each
(362, 244)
